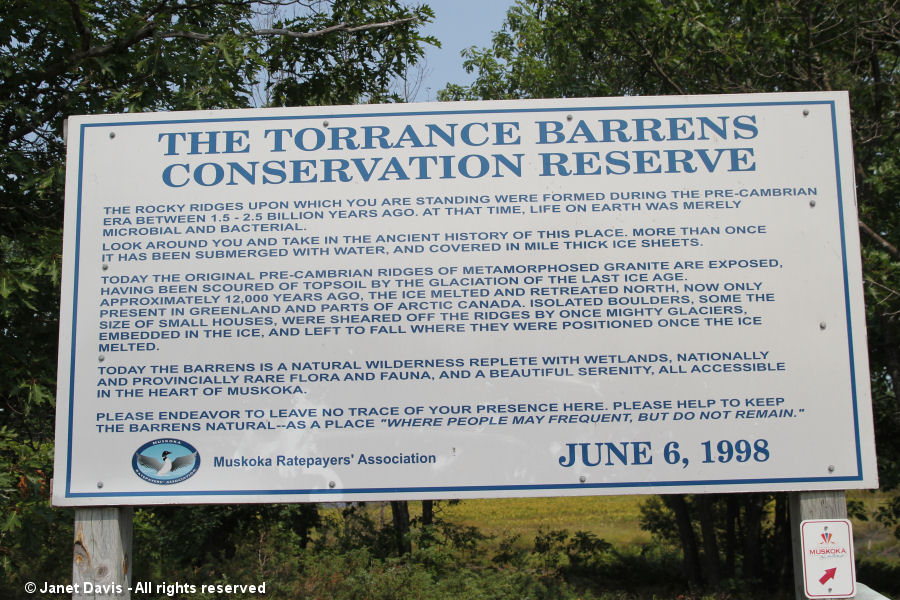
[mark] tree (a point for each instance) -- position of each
(576, 48)
(723, 538)
(66, 57)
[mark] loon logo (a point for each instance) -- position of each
(165, 461)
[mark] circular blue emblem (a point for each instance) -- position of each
(165, 461)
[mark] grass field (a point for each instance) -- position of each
(613, 518)
(616, 519)
(873, 539)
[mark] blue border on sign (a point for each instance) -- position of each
(475, 488)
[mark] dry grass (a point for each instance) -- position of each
(613, 518)
(872, 539)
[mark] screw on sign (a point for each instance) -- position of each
(828, 567)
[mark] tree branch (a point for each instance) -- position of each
(150, 29)
(885, 245)
(657, 67)
(665, 75)
(95, 52)
(300, 35)
(79, 25)
(381, 25)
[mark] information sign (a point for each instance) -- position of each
(828, 567)
(520, 298)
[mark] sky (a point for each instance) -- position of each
(458, 24)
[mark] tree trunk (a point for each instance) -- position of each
(710, 543)
(427, 512)
(782, 561)
(400, 512)
(753, 511)
(678, 505)
(893, 367)
(731, 517)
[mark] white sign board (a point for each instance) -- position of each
(828, 566)
(595, 296)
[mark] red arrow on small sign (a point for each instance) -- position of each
(829, 574)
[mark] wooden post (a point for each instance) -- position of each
(101, 567)
(811, 505)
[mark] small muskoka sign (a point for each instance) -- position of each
(828, 566)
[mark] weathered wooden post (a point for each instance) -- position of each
(811, 505)
(101, 555)
(101, 566)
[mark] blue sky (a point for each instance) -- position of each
(458, 24)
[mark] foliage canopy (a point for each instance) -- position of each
(578, 48)
(66, 57)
